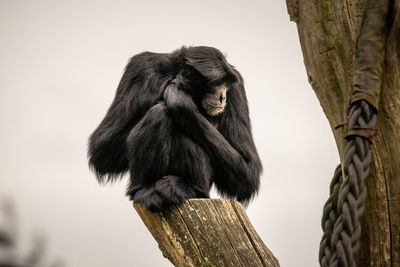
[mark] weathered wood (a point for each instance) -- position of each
(207, 232)
(328, 33)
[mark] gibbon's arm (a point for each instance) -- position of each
(235, 161)
(234, 124)
(139, 89)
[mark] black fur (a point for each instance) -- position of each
(157, 129)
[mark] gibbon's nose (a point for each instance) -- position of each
(222, 98)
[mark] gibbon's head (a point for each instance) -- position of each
(216, 77)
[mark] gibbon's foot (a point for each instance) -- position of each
(148, 197)
(174, 189)
(169, 190)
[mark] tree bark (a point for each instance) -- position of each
(328, 32)
(207, 232)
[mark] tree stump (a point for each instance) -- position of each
(207, 232)
(328, 32)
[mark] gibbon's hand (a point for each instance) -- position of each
(178, 100)
(180, 106)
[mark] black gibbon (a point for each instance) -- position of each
(179, 122)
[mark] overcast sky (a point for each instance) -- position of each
(60, 63)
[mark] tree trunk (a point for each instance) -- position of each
(207, 232)
(328, 32)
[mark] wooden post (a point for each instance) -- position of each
(207, 232)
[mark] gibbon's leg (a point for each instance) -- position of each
(166, 166)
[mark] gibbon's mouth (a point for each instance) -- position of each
(213, 110)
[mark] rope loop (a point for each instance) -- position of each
(340, 220)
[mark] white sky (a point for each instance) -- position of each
(60, 64)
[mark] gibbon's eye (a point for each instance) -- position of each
(221, 98)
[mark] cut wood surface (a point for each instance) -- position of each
(207, 232)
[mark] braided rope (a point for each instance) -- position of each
(340, 222)
(329, 217)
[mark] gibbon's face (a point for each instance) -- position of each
(214, 102)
